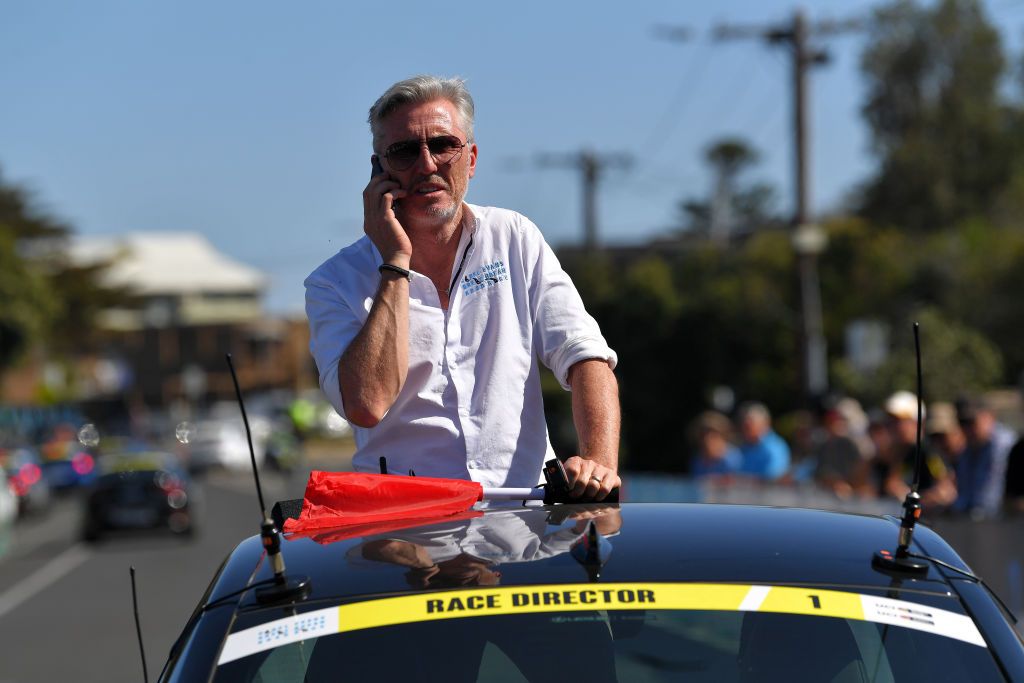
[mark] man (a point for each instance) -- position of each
(427, 331)
(943, 431)
(842, 458)
(715, 455)
(981, 465)
(764, 453)
(936, 484)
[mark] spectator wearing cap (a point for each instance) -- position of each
(944, 434)
(883, 451)
(843, 456)
(764, 453)
(715, 454)
(936, 482)
(981, 465)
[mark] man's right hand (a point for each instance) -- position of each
(380, 223)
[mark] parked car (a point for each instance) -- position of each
(221, 442)
(67, 462)
(592, 592)
(24, 470)
(8, 511)
(139, 491)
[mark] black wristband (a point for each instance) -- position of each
(395, 269)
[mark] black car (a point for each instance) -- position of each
(139, 491)
(591, 592)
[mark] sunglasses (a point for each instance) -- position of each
(444, 149)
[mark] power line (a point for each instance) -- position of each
(666, 124)
(733, 94)
(591, 166)
(795, 37)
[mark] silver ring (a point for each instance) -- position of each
(597, 479)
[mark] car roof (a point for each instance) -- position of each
(653, 542)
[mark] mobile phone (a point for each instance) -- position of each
(377, 168)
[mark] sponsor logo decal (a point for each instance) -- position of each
(484, 278)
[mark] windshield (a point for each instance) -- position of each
(608, 632)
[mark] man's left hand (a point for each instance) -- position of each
(590, 480)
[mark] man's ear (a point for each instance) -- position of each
(472, 160)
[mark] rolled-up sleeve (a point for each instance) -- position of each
(332, 327)
(564, 333)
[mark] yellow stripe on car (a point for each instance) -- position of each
(511, 600)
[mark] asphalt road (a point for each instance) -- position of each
(65, 606)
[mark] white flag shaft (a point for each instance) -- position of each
(513, 494)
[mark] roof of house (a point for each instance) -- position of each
(166, 263)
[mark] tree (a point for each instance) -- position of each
(45, 300)
(734, 206)
(956, 360)
(684, 321)
(941, 134)
(25, 305)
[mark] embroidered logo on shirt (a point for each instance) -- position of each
(485, 277)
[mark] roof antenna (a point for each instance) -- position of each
(902, 562)
(138, 628)
(283, 588)
(592, 551)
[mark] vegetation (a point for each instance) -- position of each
(46, 301)
(935, 236)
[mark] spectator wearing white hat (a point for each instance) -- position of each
(936, 483)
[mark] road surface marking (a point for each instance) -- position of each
(43, 578)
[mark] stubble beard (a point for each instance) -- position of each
(446, 214)
(441, 216)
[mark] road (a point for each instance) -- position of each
(65, 606)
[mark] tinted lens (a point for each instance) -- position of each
(443, 148)
(403, 153)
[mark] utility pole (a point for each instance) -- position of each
(808, 239)
(592, 166)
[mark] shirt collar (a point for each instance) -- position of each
(470, 221)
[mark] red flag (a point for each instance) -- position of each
(335, 499)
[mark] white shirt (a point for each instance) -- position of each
(471, 404)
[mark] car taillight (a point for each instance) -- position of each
(82, 463)
(167, 482)
(29, 473)
(18, 485)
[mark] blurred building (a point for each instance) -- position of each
(190, 305)
(179, 279)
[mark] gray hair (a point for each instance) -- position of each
(420, 89)
(754, 410)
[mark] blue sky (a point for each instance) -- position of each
(245, 120)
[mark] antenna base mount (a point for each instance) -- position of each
(290, 589)
(885, 561)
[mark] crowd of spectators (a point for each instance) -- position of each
(972, 464)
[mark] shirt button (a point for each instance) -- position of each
(471, 465)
